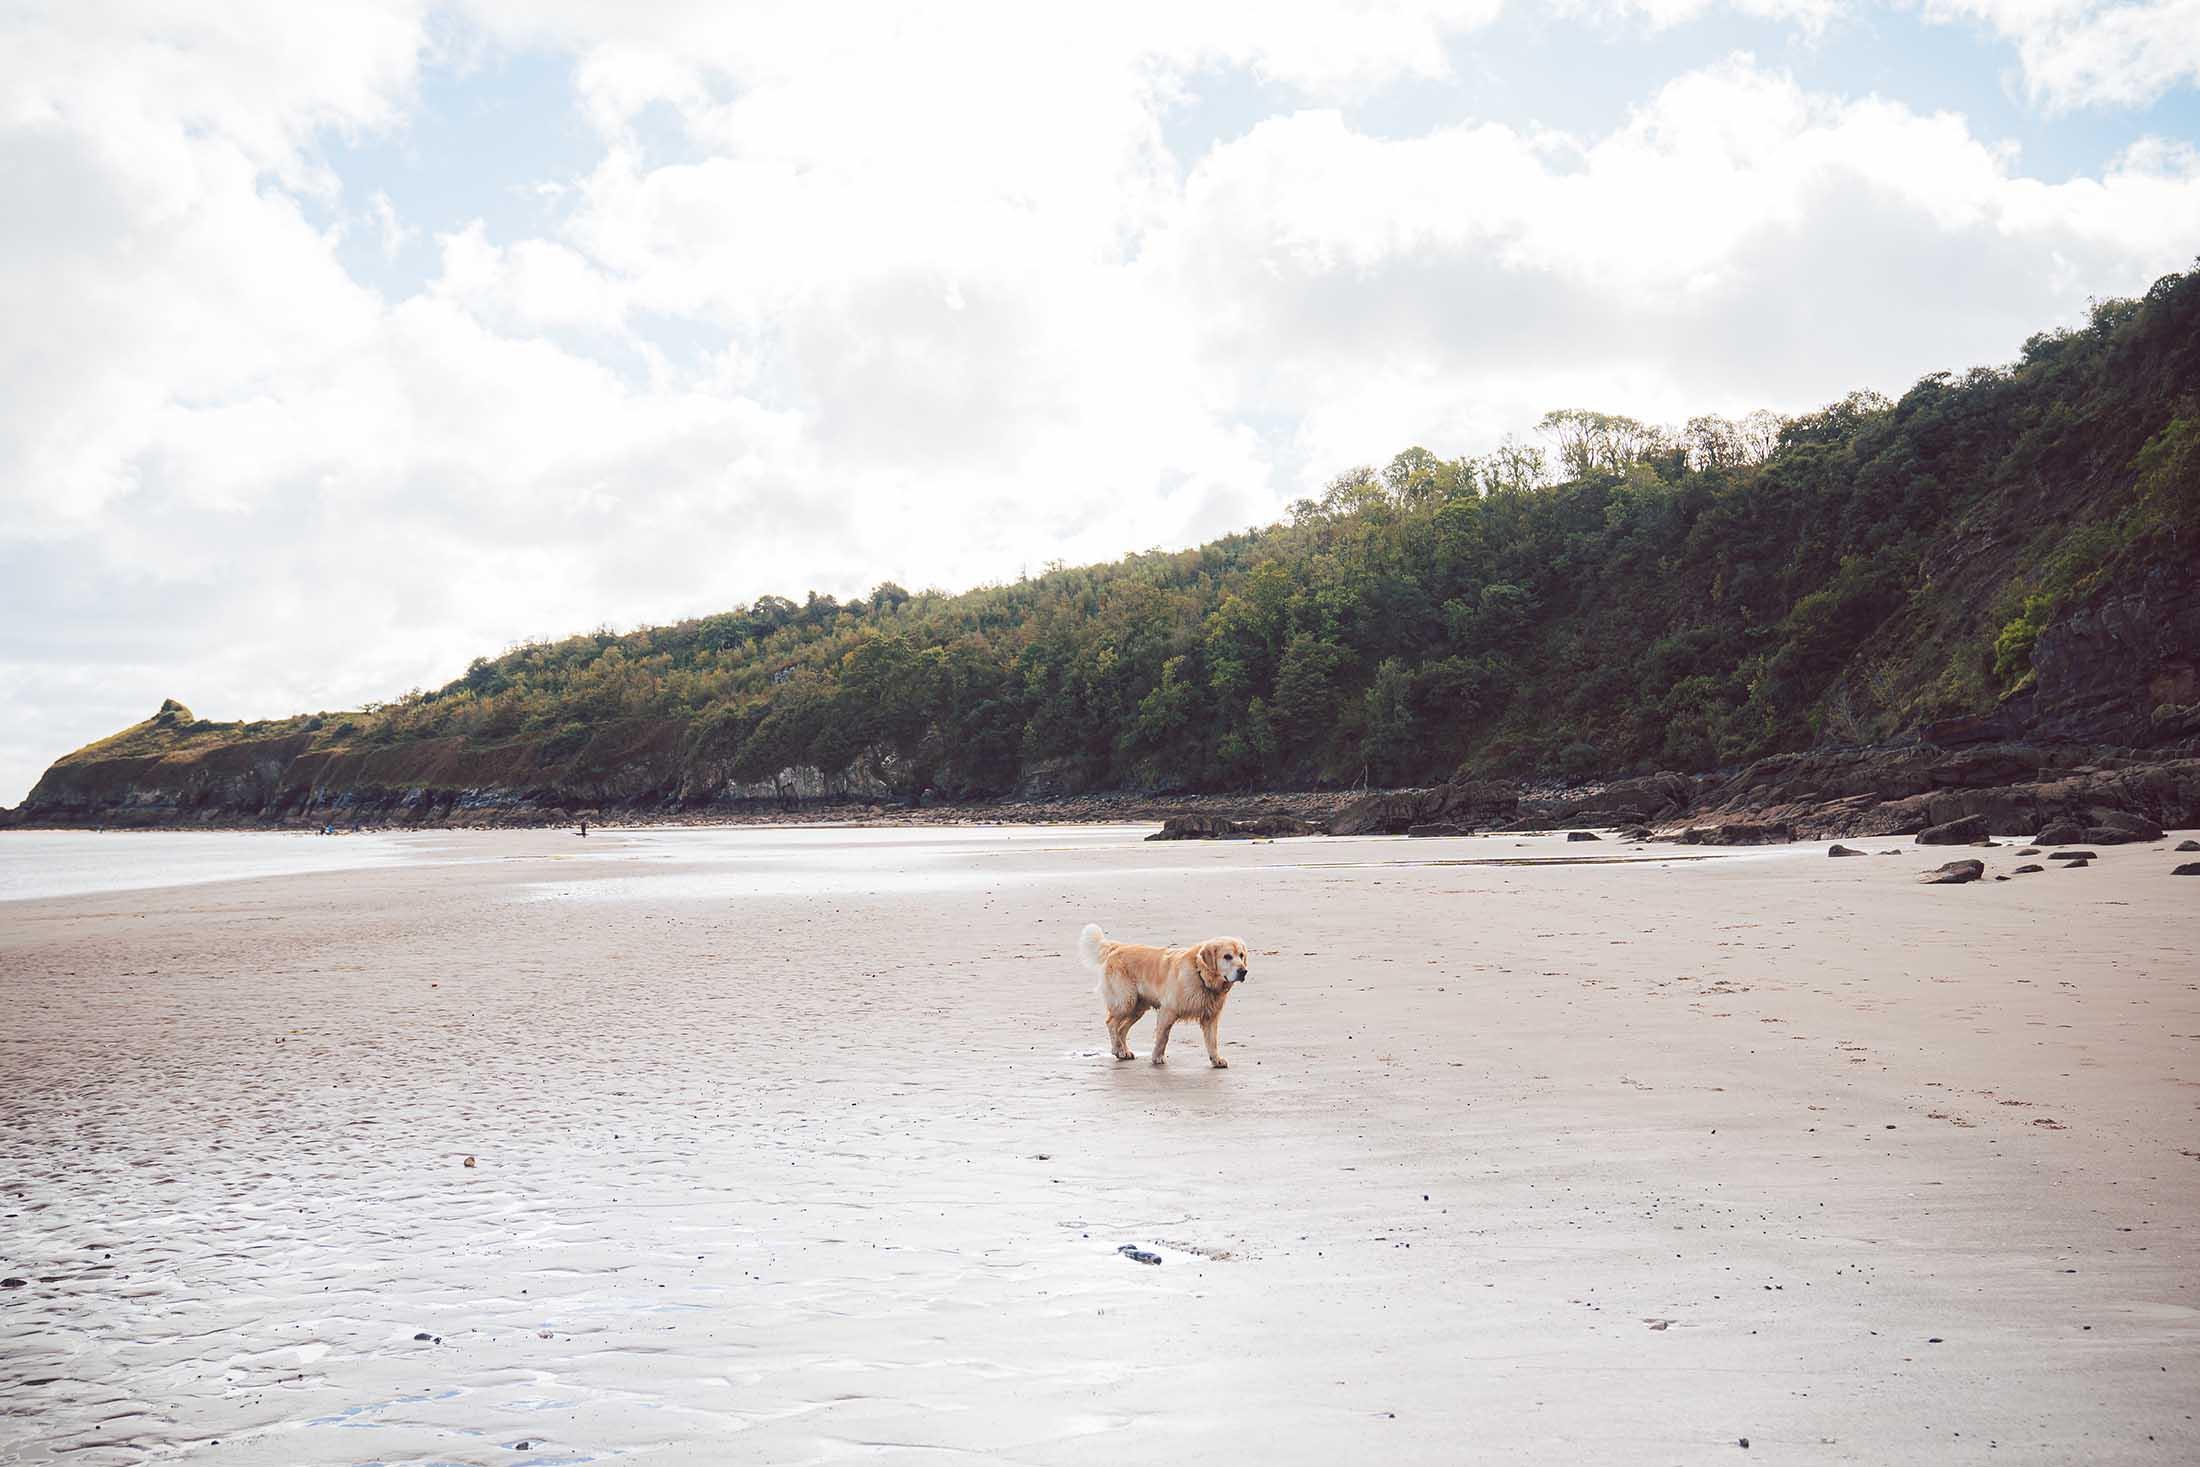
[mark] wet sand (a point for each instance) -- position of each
(805, 1147)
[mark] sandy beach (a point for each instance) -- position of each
(804, 1147)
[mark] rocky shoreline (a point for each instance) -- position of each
(2094, 793)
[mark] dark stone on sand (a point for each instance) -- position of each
(1839, 850)
(2190, 868)
(423, 1335)
(2076, 865)
(2187, 845)
(2070, 855)
(1954, 873)
(2059, 833)
(2029, 851)
(1955, 832)
(1137, 1254)
(14, 1283)
(1582, 835)
(2027, 869)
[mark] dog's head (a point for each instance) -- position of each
(1222, 962)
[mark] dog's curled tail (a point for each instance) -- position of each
(1089, 944)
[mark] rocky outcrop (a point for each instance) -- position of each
(173, 770)
(1737, 833)
(1223, 827)
(1643, 800)
(1908, 789)
(1478, 803)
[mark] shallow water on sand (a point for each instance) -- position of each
(802, 1146)
(56, 863)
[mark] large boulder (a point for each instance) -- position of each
(1962, 832)
(2059, 833)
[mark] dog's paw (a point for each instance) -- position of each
(1126, 1054)
(1219, 1063)
(1157, 1059)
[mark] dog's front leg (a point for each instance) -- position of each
(1163, 1021)
(1211, 1026)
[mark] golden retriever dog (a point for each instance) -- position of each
(1175, 982)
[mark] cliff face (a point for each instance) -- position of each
(168, 773)
(2125, 666)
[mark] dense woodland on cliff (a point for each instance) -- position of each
(1615, 597)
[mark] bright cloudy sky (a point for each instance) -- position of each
(347, 340)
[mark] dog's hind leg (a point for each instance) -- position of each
(1210, 1025)
(1163, 1022)
(1119, 1030)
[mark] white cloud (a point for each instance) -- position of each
(1812, 16)
(2093, 52)
(922, 294)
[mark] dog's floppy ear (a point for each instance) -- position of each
(1203, 959)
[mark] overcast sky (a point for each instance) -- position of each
(345, 341)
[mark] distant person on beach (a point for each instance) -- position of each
(584, 830)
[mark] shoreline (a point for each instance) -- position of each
(1112, 809)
